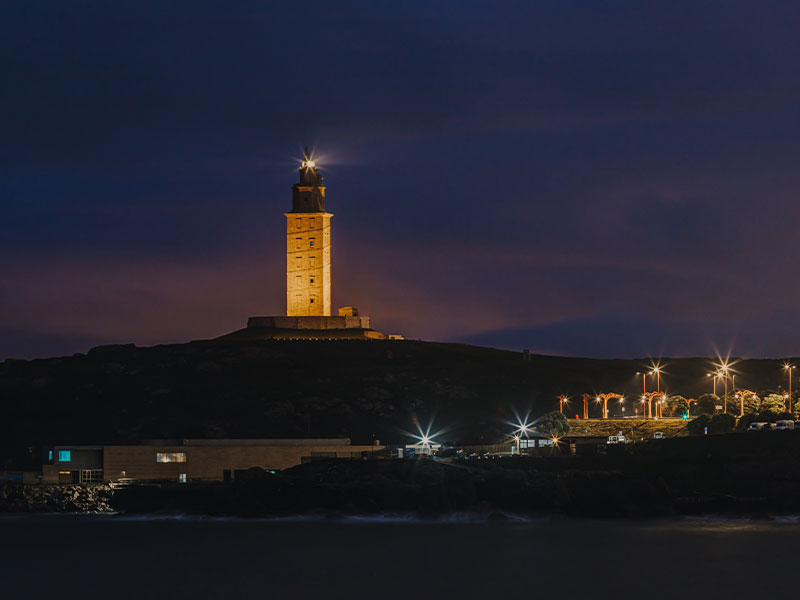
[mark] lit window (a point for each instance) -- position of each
(168, 457)
(50, 456)
(64, 455)
(181, 477)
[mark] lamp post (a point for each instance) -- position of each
(788, 368)
(725, 372)
(561, 399)
(714, 376)
(657, 372)
(644, 381)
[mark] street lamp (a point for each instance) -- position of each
(644, 381)
(725, 370)
(715, 375)
(657, 372)
(788, 368)
(561, 399)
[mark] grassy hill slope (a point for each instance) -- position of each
(361, 389)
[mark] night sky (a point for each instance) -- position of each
(584, 178)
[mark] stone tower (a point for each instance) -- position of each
(308, 246)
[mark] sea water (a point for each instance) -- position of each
(395, 556)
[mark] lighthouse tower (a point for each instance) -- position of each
(308, 246)
(308, 275)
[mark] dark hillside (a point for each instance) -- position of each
(360, 389)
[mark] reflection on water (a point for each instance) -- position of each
(397, 556)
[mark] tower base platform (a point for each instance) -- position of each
(325, 323)
(306, 328)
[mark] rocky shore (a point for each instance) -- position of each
(55, 498)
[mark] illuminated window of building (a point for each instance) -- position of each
(181, 477)
(50, 456)
(64, 455)
(311, 241)
(169, 457)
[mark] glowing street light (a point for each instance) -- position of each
(788, 368)
(725, 370)
(561, 400)
(657, 372)
(425, 439)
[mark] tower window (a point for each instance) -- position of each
(312, 280)
(311, 241)
(312, 301)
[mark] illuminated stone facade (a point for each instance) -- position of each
(308, 247)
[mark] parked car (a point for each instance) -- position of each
(758, 426)
(784, 424)
(617, 439)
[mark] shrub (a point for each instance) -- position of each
(553, 423)
(745, 421)
(676, 406)
(706, 405)
(768, 416)
(773, 403)
(697, 425)
(723, 423)
(752, 403)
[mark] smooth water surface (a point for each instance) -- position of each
(77, 556)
